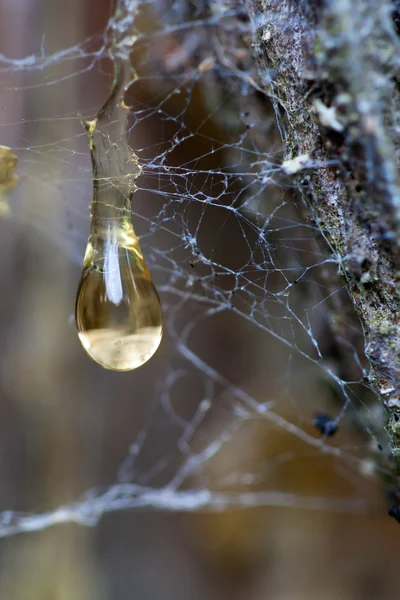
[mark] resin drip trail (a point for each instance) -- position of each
(118, 312)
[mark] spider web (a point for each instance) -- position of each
(260, 330)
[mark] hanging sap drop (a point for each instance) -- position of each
(118, 311)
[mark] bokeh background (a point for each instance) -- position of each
(66, 425)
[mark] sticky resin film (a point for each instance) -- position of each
(118, 311)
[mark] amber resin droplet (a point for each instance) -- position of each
(118, 312)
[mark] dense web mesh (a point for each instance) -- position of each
(260, 334)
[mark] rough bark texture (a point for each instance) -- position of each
(331, 68)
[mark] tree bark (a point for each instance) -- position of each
(331, 69)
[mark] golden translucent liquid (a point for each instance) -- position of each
(118, 311)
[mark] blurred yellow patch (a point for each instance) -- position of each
(8, 179)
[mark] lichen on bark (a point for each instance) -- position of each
(331, 69)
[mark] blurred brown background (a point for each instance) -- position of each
(66, 425)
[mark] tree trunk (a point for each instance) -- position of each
(331, 69)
